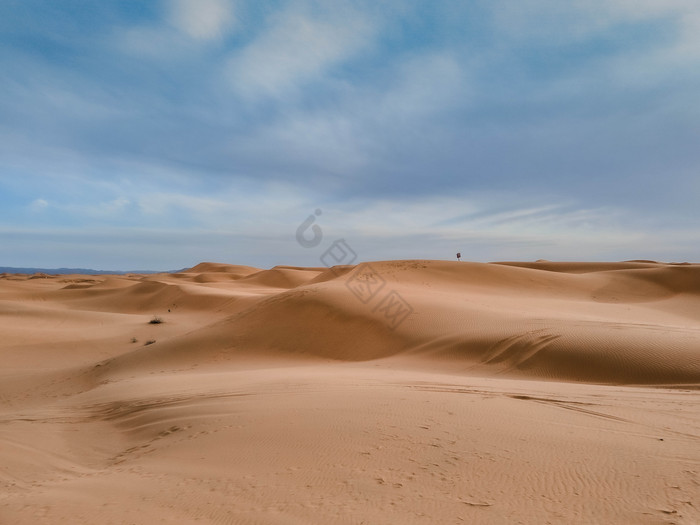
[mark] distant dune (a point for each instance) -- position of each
(388, 392)
(67, 271)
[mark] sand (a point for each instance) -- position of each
(393, 392)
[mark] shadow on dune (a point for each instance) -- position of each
(623, 323)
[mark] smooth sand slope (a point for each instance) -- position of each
(390, 392)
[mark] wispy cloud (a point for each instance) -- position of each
(38, 205)
(298, 46)
(166, 203)
(203, 19)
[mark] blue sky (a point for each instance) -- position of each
(157, 134)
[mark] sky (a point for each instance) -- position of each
(157, 134)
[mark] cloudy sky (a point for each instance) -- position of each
(157, 134)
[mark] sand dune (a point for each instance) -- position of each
(388, 392)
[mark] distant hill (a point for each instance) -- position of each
(67, 271)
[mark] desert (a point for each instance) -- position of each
(406, 391)
(349, 262)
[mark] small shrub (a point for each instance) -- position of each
(155, 320)
(149, 342)
(134, 340)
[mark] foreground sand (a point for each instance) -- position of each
(395, 392)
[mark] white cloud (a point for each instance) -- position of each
(304, 145)
(486, 227)
(674, 57)
(153, 42)
(553, 22)
(425, 85)
(202, 19)
(188, 23)
(115, 206)
(346, 138)
(475, 216)
(543, 20)
(297, 48)
(257, 209)
(162, 203)
(38, 205)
